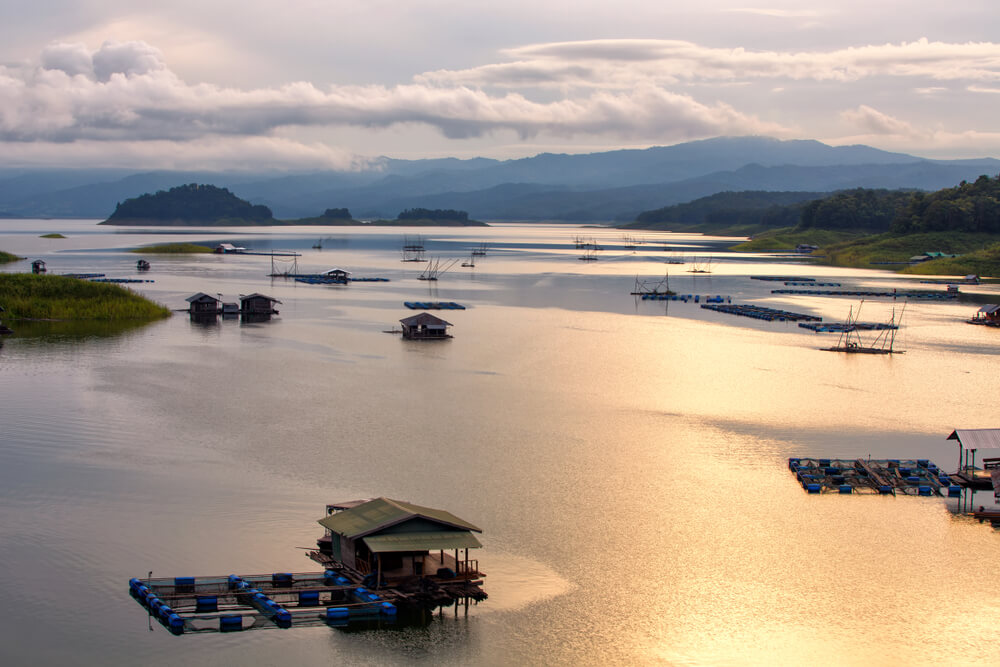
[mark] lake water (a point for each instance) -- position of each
(627, 460)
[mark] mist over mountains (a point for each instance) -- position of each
(596, 187)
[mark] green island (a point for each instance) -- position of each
(172, 249)
(953, 231)
(6, 257)
(26, 296)
(51, 236)
(208, 205)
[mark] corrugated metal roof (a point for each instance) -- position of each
(977, 438)
(436, 541)
(423, 319)
(384, 512)
(989, 308)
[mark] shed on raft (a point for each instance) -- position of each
(38, 266)
(988, 315)
(337, 275)
(425, 327)
(203, 304)
(396, 540)
(258, 304)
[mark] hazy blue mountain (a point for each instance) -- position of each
(613, 185)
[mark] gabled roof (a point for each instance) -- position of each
(200, 296)
(977, 438)
(332, 271)
(256, 295)
(989, 309)
(381, 513)
(423, 319)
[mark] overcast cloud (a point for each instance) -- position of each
(104, 84)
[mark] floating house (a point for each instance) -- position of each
(228, 249)
(203, 304)
(398, 541)
(142, 265)
(425, 327)
(38, 266)
(988, 315)
(258, 304)
(337, 275)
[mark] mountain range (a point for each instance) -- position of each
(595, 187)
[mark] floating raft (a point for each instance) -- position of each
(282, 599)
(782, 279)
(761, 313)
(697, 298)
(841, 327)
(810, 284)
(433, 305)
(894, 294)
(918, 477)
(84, 276)
(120, 280)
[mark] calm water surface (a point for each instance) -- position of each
(627, 460)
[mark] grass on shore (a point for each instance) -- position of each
(787, 238)
(6, 257)
(51, 236)
(40, 297)
(172, 249)
(983, 263)
(899, 248)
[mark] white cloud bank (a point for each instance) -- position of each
(124, 96)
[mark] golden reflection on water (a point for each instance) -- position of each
(626, 460)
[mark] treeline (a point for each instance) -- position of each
(752, 207)
(861, 208)
(337, 214)
(968, 207)
(433, 214)
(191, 202)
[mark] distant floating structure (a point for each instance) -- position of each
(425, 327)
(413, 248)
(38, 266)
(142, 265)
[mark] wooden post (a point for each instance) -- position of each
(378, 580)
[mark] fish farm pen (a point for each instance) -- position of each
(433, 305)
(282, 600)
(761, 312)
(697, 298)
(893, 294)
(781, 279)
(841, 327)
(881, 477)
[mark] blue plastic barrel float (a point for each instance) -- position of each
(924, 490)
(885, 489)
(230, 623)
(954, 491)
(845, 489)
(206, 603)
(337, 613)
(308, 598)
(813, 488)
(282, 579)
(175, 624)
(387, 609)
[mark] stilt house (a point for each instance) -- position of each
(203, 304)
(425, 327)
(258, 304)
(396, 540)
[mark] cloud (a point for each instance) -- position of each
(983, 89)
(124, 92)
(776, 13)
(622, 63)
(874, 122)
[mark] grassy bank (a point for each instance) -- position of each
(6, 257)
(39, 297)
(899, 248)
(983, 263)
(789, 237)
(172, 249)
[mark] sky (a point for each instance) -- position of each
(315, 84)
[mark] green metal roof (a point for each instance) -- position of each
(381, 513)
(445, 539)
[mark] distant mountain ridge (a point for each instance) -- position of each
(596, 187)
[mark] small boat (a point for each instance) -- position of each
(850, 340)
(142, 265)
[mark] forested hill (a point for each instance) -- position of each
(190, 204)
(968, 207)
(751, 208)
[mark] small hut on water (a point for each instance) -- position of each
(38, 266)
(258, 304)
(425, 327)
(397, 540)
(203, 304)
